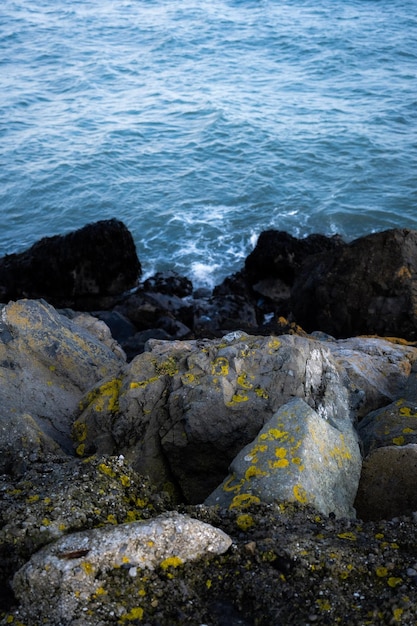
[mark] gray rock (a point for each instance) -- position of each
(378, 368)
(60, 578)
(392, 425)
(185, 409)
(387, 486)
(298, 456)
(47, 364)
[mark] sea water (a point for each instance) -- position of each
(200, 123)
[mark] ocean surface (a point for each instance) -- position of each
(200, 123)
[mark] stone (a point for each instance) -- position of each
(379, 369)
(365, 287)
(298, 456)
(62, 576)
(278, 254)
(392, 425)
(83, 269)
(170, 283)
(387, 487)
(220, 314)
(58, 495)
(47, 364)
(97, 327)
(183, 410)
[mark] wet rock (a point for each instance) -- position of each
(365, 287)
(60, 578)
(85, 269)
(387, 486)
(280, 255)
(170, 283)
(47, 364)
(183, 410)
(297, 456)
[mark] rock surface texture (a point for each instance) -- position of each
(298, 456)
(47, 364)
(69, 571)
(303, 446)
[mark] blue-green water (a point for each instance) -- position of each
(201, 123)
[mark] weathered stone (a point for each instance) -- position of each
(387, 487)
(298, 456)
(61, 577)
(378, 368)
(81, 270)
(58, 495)
(47, 363)
(368, 286)
(392, 425)
(184, 410)
(99, 329)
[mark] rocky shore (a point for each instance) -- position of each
(174, 456)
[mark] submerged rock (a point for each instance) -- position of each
(298, 456)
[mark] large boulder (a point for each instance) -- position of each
(368, 286)
(47, 364)
(84, 269)
(298, 456)
(183, 410)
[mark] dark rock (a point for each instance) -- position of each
(280, 255)
(120, 327)
(366, 287)
(223, 313)
(84, 269)
(169, 283)
(135, 345)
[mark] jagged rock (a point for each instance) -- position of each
(83, 270)
(47, 364)
(278, 254)
(379, 369)
(170, 283)
(99, 328)
(368, 286)
(60, 578)
(184, 410)
(387, 487)
(298, 456)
